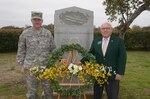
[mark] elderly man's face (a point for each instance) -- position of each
(106, 30)
(37, 23)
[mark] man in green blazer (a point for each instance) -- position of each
(109, 51)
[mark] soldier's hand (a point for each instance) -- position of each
(22, 70)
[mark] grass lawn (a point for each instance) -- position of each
(135, 83)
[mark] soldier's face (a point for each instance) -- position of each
(37, 23)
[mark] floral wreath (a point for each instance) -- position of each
(87, 73)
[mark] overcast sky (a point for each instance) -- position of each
(18, 12)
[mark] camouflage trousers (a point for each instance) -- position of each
(32, 86)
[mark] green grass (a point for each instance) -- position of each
(136, 82)
(12, 89)
(134, 85)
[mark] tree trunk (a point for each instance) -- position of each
(126, 25)
(122, 35)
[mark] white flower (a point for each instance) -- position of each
(43, 67)
(75, 71)
(103, 69)
(96, 70)
(114, 72)
(73, 68)
(70, 67)
(110, 69)
(80, 68)
(33, 68)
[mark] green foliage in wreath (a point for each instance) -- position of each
(55, 56)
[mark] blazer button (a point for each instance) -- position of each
(104, 58)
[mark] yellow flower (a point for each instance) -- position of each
(89, 69)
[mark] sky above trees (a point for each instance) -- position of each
(18, 12)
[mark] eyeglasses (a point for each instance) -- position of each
(108, 28)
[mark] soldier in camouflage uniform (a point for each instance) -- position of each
(34, 46)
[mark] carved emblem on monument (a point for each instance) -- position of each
(73, 18)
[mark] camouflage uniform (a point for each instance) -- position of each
(33, 49)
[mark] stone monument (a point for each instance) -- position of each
(73, 25)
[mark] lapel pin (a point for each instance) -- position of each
(99, 42)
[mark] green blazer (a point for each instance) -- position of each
(115, 54)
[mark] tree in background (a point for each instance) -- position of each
(136, 27)
(49, 27)
(125, 11)
(146, 28)
(10, 27)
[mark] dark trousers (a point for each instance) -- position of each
(112, 90)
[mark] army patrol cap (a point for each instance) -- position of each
(36, 15)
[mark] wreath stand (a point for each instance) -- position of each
(71, 57)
